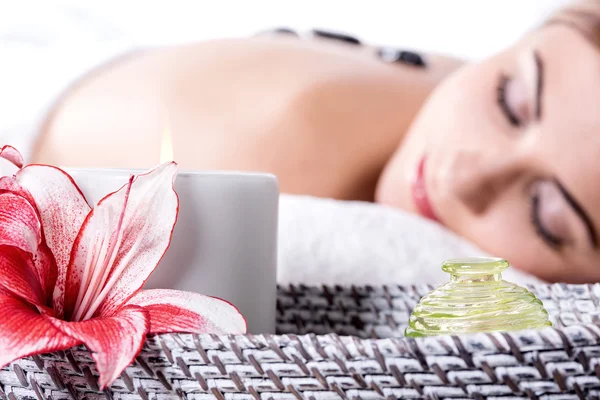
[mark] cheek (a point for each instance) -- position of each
(455, 116)
(459, 116)
(464, 109)
(505, 231)
(442, 122)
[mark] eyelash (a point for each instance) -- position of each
(501, 99)
(546, 236)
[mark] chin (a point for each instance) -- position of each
(392, 187)
(383, 192)
(387, 193)
(384, 198)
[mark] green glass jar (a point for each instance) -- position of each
(476, 299)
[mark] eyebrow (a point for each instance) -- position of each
(581, 213)
(539, 87)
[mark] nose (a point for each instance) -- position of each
(477, 179)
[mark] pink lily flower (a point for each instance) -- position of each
(71, 274)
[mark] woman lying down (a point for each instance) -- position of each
(504, 152)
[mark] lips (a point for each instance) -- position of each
(419, 192)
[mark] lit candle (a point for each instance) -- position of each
(225, 240)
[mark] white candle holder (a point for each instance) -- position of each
(225, 239)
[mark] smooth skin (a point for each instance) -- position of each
(323, 115)
(332, 120)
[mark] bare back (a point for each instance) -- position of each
(323, 116)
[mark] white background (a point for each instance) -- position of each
(467, 28)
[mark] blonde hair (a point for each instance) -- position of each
(583, 16)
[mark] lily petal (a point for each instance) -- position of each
(94, 252)
(10, 184)
(147, 227)
(62, 209)
(45, 268)
(114, 341)
(17, 275)
(24, 332)
(25, 231)
(13, 155)
(176, 311)
(19, 223)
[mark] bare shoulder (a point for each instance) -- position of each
(299, 109)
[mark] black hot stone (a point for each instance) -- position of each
(401, 56)
(336, 36)
(285, 31)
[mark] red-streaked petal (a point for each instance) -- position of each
(95, 250)
(114, 341)
(176, 311)
(24, 332)
(10, 184)
(11, 154)
(147, 229)
(19, 223)
(44, 264)
(18, 277)
(62, 209)
(45, 268)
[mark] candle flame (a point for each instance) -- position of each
(166, 145)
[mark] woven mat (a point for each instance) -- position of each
(313, 358)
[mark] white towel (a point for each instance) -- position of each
(323, 241)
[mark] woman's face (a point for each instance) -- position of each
(506, 153)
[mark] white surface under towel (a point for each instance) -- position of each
(323, 241)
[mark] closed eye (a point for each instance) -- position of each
(510, 115)
(545, 234)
